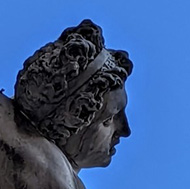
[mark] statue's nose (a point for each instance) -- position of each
(121, 124)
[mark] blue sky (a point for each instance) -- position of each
(157, 36)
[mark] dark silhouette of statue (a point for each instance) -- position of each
(68, 112)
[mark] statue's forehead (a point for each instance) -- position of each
(115, 101)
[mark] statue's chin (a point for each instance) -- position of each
(105, 164)
(99, 163)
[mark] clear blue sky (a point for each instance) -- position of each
(157, 36)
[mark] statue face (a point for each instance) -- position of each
(94, 145)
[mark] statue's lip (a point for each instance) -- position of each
(112, 151)
(115, 141)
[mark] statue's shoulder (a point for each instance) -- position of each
(6, 105)
(7, 123)
(29, 161)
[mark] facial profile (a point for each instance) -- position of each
(95, 146)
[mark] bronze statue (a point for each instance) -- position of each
(68, 112)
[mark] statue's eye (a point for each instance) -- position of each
(108, 121)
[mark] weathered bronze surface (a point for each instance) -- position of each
(68, 112)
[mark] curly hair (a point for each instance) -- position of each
(44, 85)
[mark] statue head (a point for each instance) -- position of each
(72, 92)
